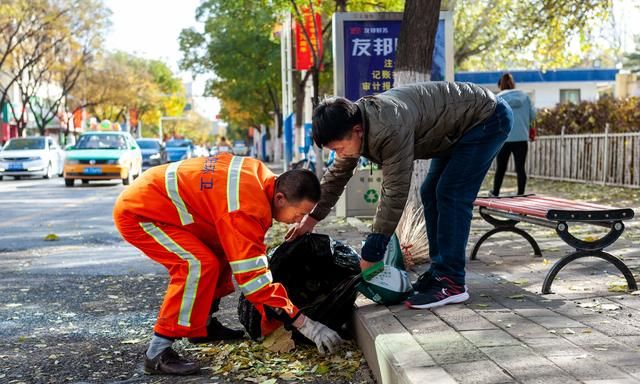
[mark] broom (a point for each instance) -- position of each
(412, 230)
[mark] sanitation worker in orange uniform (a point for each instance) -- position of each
(205, 219)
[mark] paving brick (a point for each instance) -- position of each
(612, 381)
(632, 342)
(556, 321)
(423, 321)
(516, 325)
(449, 347)
(478, 372)
(588, 338)
(614, 354)
(556, 346)
(490, 338)
(462, 318)
(599, 321)
(518, 300)
(630, 301)
(633, 370)
(420, 375)
(586, 367)
(526, 366)
(534, 312)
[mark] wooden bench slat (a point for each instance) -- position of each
(537, 206)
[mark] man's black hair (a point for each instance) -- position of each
(298, 185)
(333, 119)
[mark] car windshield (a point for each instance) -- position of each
(25, 143)
(178, 143)
(101, 142)
(148, 144)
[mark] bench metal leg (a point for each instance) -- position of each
(531, 240)
(622, 267)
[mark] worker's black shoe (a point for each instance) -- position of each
(217, 332)
(168, 362)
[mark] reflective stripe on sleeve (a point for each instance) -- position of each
(171, 184)
(233, 183)
(248, 265)
(256, 284)
(193, 276)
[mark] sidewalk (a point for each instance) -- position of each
(507, 332)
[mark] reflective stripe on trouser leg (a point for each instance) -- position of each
(233, 183)
(171, 184)
(193, 277)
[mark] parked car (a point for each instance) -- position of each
(200, 151)
(240, 148)
(31, 156)
(153, 152)
(179, 149)
(216, 149)
(103, 156)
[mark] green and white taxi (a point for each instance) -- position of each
(103, 156)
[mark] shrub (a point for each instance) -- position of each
(623, 115)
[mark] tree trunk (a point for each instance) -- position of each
(413, 64)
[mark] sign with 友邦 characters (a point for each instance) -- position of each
(365, 47)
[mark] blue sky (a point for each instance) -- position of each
(150, 28)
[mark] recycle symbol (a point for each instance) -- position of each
(371, 196)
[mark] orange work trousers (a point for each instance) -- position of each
(197, 275)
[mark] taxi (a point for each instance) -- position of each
(103, 156)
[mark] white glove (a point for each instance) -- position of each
(323, 336)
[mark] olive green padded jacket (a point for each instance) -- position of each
(416, 121)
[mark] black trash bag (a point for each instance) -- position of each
(320, 276)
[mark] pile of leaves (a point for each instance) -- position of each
(253, 362)
(622, 115)
(275, 235)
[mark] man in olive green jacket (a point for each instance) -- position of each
(460, 126)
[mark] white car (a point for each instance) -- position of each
(31, 156)
(200, 151)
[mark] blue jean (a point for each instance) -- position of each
(451, 186)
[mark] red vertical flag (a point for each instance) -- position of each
(313, 26)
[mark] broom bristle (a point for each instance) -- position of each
(412, 233)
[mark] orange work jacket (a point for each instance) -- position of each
(231, 197)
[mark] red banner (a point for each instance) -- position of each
(77, 119)
(133, 117)
(304, 54)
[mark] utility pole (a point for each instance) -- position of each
(287, 94)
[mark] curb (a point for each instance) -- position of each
(392, 353)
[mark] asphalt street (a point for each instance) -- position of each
(79, 308)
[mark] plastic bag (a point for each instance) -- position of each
(321, 277)
(392, 285)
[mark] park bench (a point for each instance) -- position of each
(504, 213)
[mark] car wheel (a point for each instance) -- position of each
(69, 182)
(85, 181)
(48, 173)
(1, 178)
(127, 180)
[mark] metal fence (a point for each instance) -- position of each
(605, 158)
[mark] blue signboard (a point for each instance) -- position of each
(370, 54)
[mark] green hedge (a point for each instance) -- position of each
(623, 115)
